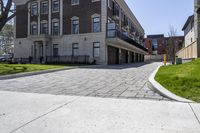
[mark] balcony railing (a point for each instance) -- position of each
(113, 32)
(81, 59)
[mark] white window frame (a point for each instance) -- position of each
(96, 46)
(72, 24)
(41, 7)
(34, 23)
(75, 2)
(110, 4)
(52, 31)
(41, 28)
(55, 46)
(75, 48)
(34, 4)
(52, 8)
(93, 17)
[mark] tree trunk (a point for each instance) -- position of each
(6, 13)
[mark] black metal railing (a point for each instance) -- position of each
(21, 60)
(113, 32)
(81, 59)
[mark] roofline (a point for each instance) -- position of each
(133, 18)
(155, 35)
(190, 18)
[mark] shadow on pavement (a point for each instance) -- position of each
(118, 67)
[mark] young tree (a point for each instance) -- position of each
(7, 12)
(172, 44)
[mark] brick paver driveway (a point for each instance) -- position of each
(120, 81)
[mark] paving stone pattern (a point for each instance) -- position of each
(118, 81)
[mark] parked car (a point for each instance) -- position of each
(2, 59)
(6, 57)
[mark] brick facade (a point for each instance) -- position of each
(83, 11)
(88, 43)
(22, 21)
(148, 45)
(163, 44)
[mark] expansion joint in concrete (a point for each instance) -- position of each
(45, 114)
(194, 113)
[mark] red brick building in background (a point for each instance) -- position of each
(158, 45)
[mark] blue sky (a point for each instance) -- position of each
(156, 16)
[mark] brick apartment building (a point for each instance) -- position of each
(101, 31)
(158, 45)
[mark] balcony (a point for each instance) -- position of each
(113, 32)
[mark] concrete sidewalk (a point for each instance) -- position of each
(42, 113)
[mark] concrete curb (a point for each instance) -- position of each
(91, 66)
(13, 76)
(155, 86)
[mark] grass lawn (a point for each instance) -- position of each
(182, 80)
(6, 69)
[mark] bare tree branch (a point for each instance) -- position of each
(172, 44)
(8, 7)
(11, 16)
(2, 5)
(7, 13)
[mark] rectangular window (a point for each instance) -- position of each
(192, 24)
(122, 16)
(110, 4)
(74, 2)
(111, 30)
(55, 5)
(34, 30)
(75, 48)
(55, 28)
(115, 9)
(96, 24)
(75, 26)
(34, 9)
(44, 7)
(44, 28)
(55, 50)
(96, 49)
(125, 21)
(154, 44)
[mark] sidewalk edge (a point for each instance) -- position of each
(13, 76)
(155, 86)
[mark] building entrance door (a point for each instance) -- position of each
(38, 53)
